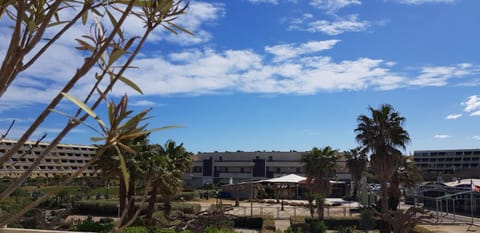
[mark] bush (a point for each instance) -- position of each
(349, 229)
(88, 225)
(367, 220)
(268, 225)
(215, 230)
(135, 229)
(318, 227)
(186, 208)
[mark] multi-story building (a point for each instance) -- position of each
(65, 159)
(235, 167)
(442, 162)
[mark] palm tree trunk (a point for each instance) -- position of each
(384, 189)
(167, 204)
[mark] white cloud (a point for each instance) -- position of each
(350, 23)
(476, 137)
(286, 51)
(440, 75)
(332, 6)
(472, 105)
(143, 103)
(264, 1)
(441, 136)
(419, 2)
(453, 116)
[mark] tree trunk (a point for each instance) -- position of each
(167, 205)
(355, 189)
(131, 200)
(320, 206)
(151, 205)
(122, 195)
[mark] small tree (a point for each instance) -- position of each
(357, 164)
(319, 164)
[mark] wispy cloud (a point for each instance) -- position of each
(332, 6)
(472, 105)
(143, 103)
(286, 51)
(419, 2)
(350, 23)
(264, 1)
(453, 116)
(439, 75)
(476, 137)
(442, 136)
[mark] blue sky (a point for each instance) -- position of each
(289, 74)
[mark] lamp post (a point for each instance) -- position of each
(281, 188)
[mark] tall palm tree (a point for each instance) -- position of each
(357, 164)
(319, 164)
(382, 135)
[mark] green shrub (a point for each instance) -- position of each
(348, 229)
(170, 231)
(215, 230)
(188, 196)
(135, 229)
(88, 225)
(318, 227)
(186, 208)
(268, 225)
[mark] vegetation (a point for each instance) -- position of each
(319, 164)
(382, 135)
(102, 47)
(357, 164)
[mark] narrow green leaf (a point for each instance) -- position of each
(117, 53)
(97, 139)
(114, 23)
(84, 107)
(84, 45)
(57, 23)
(181, 28)
(123, 168)
(131, 84)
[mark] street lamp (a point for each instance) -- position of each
(281, 188)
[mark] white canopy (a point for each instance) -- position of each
(291, 178)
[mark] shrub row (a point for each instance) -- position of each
(142, 229)
(333, 223)
(108, 208)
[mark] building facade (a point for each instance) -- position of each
(236, 167)
(64, 159)
(448, 162)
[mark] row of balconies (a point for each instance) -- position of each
(41, 167)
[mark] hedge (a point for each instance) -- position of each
(109, 208)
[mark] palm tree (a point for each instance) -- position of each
(357, 164)
(408, 175)
(109, 166)
(319, 164)
(382, 135)
(171, 163)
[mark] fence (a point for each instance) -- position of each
(289, 211)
